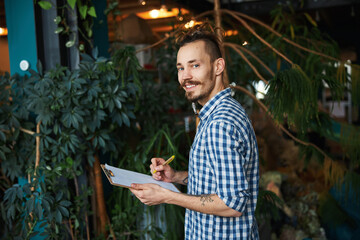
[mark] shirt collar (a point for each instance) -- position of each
(213, 102)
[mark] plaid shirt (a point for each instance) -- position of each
(224, 160)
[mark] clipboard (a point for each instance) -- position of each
(124, 178)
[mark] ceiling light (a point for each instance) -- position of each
(154, 13)
(3, 31)
(162, 13)
(231, 33)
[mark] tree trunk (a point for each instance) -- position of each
(218, 30)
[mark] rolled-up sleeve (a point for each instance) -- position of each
(227, 147)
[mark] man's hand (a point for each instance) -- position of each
(163, 173)
(149, 193)
(152, 194)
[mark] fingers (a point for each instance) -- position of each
(137, 186)
(155, 162)
(156, 167)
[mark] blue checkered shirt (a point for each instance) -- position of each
(224, 160)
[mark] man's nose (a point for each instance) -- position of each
(186, 74)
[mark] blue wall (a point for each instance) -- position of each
(20, 22)
(100, 29)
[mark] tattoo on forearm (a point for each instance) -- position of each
(205, 198)
(185, 181)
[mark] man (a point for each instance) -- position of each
(222, 180)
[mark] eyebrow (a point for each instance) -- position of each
(191, 61)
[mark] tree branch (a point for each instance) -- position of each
(258, 102)
(280, 35)
(37, 159)
(234, 46)
(247, 26)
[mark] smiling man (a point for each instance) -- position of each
(222, 179)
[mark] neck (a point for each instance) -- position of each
(218, 88)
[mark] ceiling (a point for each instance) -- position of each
(339, 18)
(251, 7)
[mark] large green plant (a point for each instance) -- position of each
(80, 114)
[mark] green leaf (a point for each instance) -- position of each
(2, 136)
(89, 32)
(102, 142)
(58, 216)
(65, 203)
(83, 11)
(30, 204)
(38, 210)
(2, 155)
(27, 190)
(92, 11)
(57, 20)
(77, 224)
(125, 119)
(70, 43)
(63, 211)
(71, 3)
(69, 161)
(310, 19)
(11, 212)
(46, 205)
(59, 30)
(59, 195)
(118, 103)
(20, 193)
(45, 5)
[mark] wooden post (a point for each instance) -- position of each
(99, 191)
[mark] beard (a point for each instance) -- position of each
(206, 87)
(193, 97)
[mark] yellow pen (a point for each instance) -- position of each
(167, 162)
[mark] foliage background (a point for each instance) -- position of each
(113, 109)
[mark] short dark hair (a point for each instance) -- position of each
(202, 32)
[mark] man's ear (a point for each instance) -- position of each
(219, 66)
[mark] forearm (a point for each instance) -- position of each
(181, 177)
(207, 203)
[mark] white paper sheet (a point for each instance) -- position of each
(126, 178)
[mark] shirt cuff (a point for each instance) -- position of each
(237, 203)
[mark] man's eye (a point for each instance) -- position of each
(196, 65)
(180, 69)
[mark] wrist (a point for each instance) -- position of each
(171, 197)
(180, 177)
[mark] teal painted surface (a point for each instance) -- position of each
(100, 29)
(20, 21)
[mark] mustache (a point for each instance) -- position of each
(190, 82)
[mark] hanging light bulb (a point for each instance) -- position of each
(163, 8)
(142, 2)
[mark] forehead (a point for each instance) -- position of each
(192, 51)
